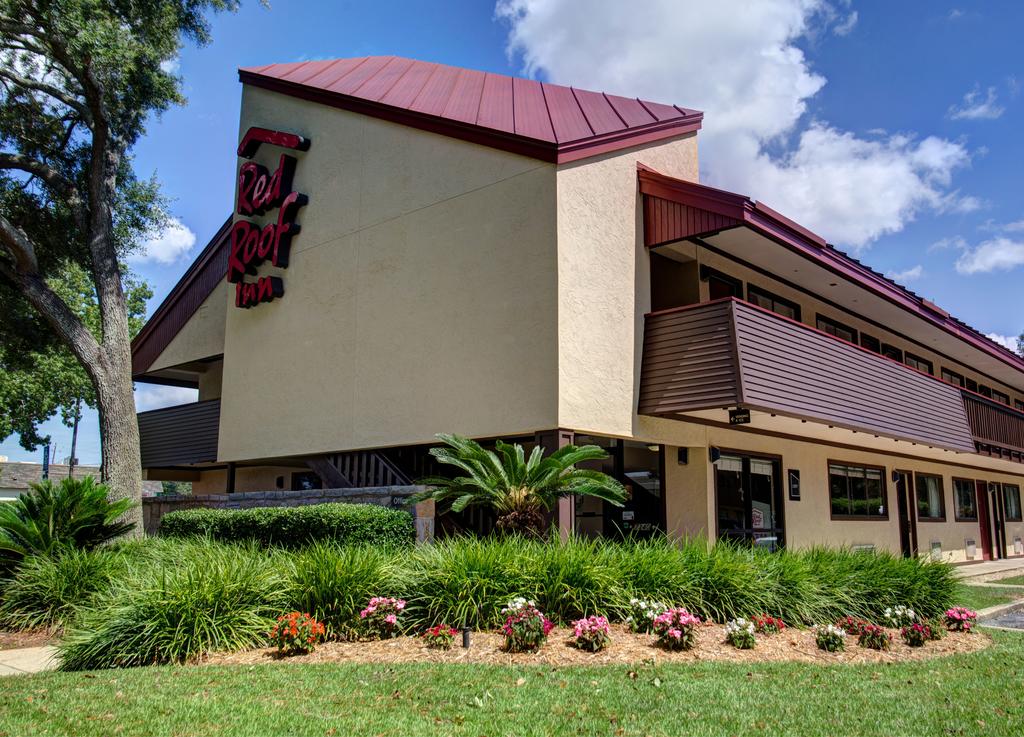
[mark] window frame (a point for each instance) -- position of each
(836, 325)
(957, 517)
(761, 292)
(908, 357)
(866, 337)
(962, 383)
(1020, 511)
(998, 396)
(942, 497)
(985, 391)
(897, 351)
(707, 273)
(857, 517)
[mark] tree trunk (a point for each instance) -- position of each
(119, 435)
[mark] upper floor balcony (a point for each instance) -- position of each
(179, 436)
(731, 354)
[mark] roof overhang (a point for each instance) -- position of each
(677, 210)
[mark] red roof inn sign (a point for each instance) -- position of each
(260, 191)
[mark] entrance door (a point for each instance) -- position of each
(906, 513)
(984, 520)
(748, 493)
(995, 498)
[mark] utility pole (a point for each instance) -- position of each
(74, 437)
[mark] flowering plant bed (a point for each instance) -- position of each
(440, 637)
(852, 625)
(526, 628)
(960, 619)
(676, 629)
(642, 613)
(768, 625)
(740, 634)
(899, 616)
(875, 637)
(916, 634)
(296, 632)
(830, 638)
(591, 634)
(380, 617)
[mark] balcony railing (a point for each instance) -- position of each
(729, 353)
(997, 429)
(179, 436)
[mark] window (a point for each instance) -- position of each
(920, 364)
(857, 491)
(966, 507)
(837, 329)
(952, 377)
(930, 504)
(870, 342)
(1000, 397)
(769, 301)
(891, 351)
(1018, 405)
(720, 285)
(1011, 502)
(971, 385)
(984, 391)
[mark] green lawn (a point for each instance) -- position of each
(1014, 581)
(980, 597)
(976, 694)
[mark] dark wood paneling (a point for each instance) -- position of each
(994, 424)
(666, 221)
(180, 435)
(730, 353)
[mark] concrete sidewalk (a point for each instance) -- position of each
(992, 569)
(27, 660)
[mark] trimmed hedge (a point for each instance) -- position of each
(291, 527)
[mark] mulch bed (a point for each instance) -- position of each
(28, 638)
(626, 647)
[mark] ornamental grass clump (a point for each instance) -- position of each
(740, 634)
(874, 637)
(642, 613)
(899, 616)
(768, 625)
(526, 628)
(916, 634)
(591, 634)
(830, 638)
(380, 617)
(676, 629)
(296, 632)
(440, 637)
(960, 619)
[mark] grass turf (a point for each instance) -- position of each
(976, 694)
(1014, 581)
(981, 597)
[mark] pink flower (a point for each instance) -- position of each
(391, 619)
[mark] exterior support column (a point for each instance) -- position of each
(565, 514)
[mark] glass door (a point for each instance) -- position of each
(748, 493)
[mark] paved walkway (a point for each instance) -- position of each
(27, 660)
(993, 568)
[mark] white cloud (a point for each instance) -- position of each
(741, 64)
(976, 107)
(1007, 341)
(166, 247)
(907, 275)
(845, 27)
(944, 244)
(172, 65)
(1015, 227)
(157, 396)
(996, 254)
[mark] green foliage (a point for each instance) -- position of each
(210, 597)
(295, 526)
(52, 518)
(517, 488)
(46, 591)
(333, 582)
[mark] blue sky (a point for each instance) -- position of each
(892, 129)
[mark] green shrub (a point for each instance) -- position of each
(50, 518)
(334, 582)
(212, 597)
(45, 591)
(355, 524)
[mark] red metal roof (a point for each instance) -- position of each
(545, 121)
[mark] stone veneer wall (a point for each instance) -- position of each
(154, 508)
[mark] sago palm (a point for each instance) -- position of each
(75, 513)
(518, 488)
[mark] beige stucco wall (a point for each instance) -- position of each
(255, 478)
(202, 336)
(420, 297)
(690, 490)
(604, 282)
(211, 381)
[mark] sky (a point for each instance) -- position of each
(891, 129)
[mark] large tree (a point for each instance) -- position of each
(78, 81)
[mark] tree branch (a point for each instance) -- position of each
(49, 90)
(53, 178)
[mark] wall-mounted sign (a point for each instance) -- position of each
(259, 191)
(794, 485)
(739, 416)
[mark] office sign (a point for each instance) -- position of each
(739, 416)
